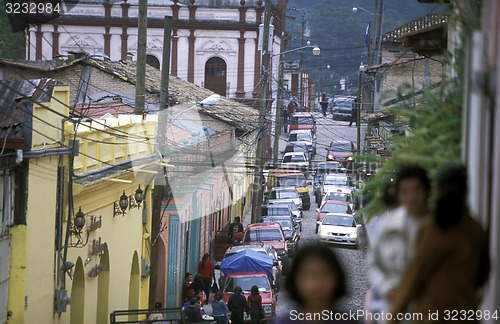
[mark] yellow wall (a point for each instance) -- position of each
(32, 273)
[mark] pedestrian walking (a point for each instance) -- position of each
(187, 286)
(207, 273)
(324, 104)
(220, 310)
(286, 117)
(394, 243)
(354, 113)
(451, 261)
(254, 305)
(237, 305)
(316, 283)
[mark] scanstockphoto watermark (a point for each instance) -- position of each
(22, 13)
(358, 315)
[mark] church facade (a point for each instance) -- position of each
(214, 42)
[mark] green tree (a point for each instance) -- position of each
(12, 45)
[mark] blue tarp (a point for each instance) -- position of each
(248, 260)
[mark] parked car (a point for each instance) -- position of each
(341, 151)
(270, 233)
(296, 212)
(303, 120)
(342, 107)
(343, 195)
(297, 147)
(305, 136)
(332, 206)
(321, 169)
(286, 193)
(296, 160)
(334, 182)
(290, 229)
(238, 273)
(339, 229)
(291, 178)
(275, 210)
(266, 249)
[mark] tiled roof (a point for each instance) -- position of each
(227, 110)
(113, 107)
(429, 21)
(232, 112)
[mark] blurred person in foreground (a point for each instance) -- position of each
(393, 241)
(316, 283)
(452, 258)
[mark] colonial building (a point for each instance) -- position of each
(214, 42)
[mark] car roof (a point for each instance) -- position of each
(328, 164)
(283, 172)
(247, 274)
(296, 143)
(336, 175)
(300, 131)
(263, 225)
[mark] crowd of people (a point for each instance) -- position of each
(420, 260)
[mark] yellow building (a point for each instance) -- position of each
(62, 273)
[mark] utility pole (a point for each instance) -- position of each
(301, 87)
(257, 181)
(358, 126)
(142, 34)
(161, 181)
(279, 104)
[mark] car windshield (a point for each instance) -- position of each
(339, 197)
(303, 120)
(336, 181)
(340, 147)
(299, 137)
(285, 223)
(258, 235)
(294, 158)
(246, 283)
(292, 181)
(336, 208)
(337, 220)
(343, 104)
(284, 194)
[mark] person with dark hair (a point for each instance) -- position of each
(236, 226)
(157, 316)
(187, 286)
(254, 305)
(237, 305)
(219, 309)
(393, 241)
(192, 313)
(451, 261)
(316, 283)
(207, 273)
(323, 102)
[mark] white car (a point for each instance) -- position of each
(296, 160)
(339, 229)
(306, 136)
(291, 193)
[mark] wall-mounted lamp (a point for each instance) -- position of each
(121, 206)
(136, 200)
(76, 230)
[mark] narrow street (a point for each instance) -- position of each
(353, 260)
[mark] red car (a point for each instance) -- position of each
(303, 121)
(332, 206)
(269, 233)
(246, 280)
(341, 151)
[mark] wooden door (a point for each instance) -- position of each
(215, 75)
